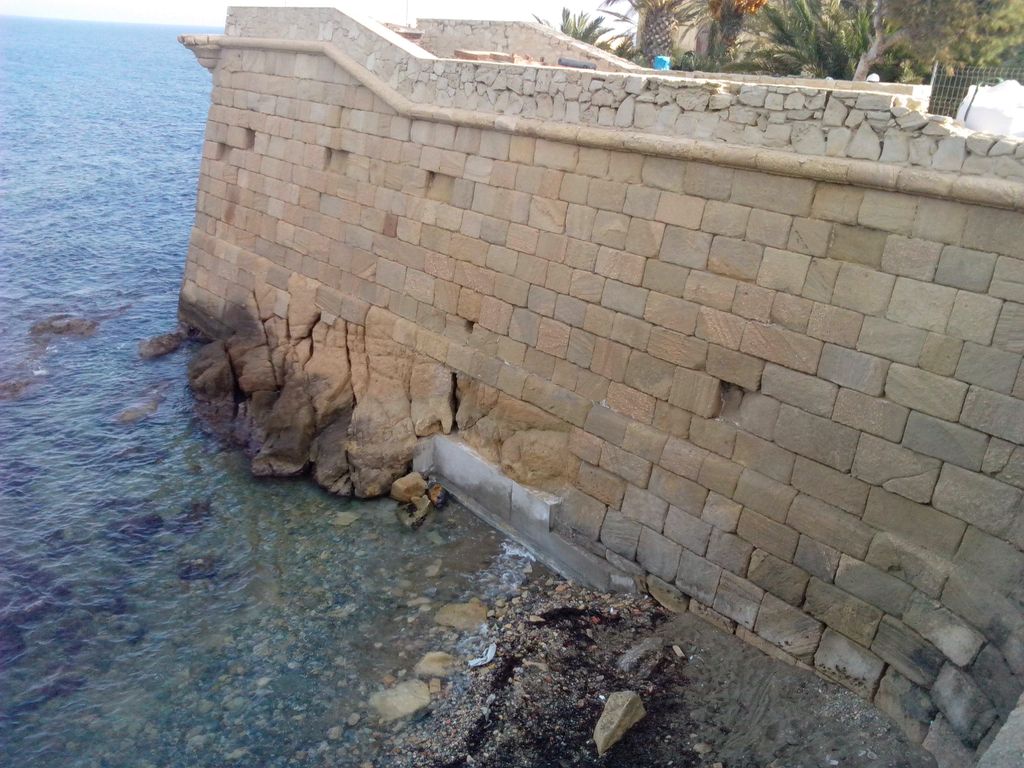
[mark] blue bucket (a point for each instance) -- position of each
(662, 62)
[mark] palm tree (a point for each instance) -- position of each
(586, 29)
(655, 22)
(729, 17)
(815, 38)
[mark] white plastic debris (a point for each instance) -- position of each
(487, 658)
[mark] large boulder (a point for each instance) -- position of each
(209, 373)
(330, 460)
(288, 434)
(430, 392)
(381, 435)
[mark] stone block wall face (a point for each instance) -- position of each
(800, 403)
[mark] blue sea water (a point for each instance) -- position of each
(108, 657)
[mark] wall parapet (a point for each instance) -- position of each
(836, 122)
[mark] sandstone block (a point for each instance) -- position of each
(601, 485)
(777, 345)
(994, 414)
(696, 392)
(788, 628)
(819, 560)
(921, 305)
(949, 633)
(827, 484)
(842, 611)
(765, 533)
(621, 712)
(977, 499)
(777, 577)
(769, 228)
(965, 268)
(783, 270)
(870, 414)
(911, 257)
(908, 562)
(808, 393)
(872, 585)
(659, 555)
(857, 245)
(945, 440)
(730, 552)
(678, 491)
(848, 664)
(816, 438)
(686, 529)
(864, 290)
(620, 534)
(895, 468)
(906, 703)
(923, 391)
(974, 317)
(764, 495)
(697, 577)
(830, 524)
(835, 325)
(624, 298)
(988, 367)
(680, 210)
(644, 507)
(734, 258)
(781, 195)
(582, 513)
(926, 526)
(738, 599)
(734, 367)
(725, 218)
(685, 247)
(763, 457)
(966, 707)
(891, 340)
(854, 370)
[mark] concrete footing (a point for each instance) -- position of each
(524, 514)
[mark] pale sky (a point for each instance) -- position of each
(211, 13)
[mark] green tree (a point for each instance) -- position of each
(585, 28)
(964, 31)
(813, 38)
(655, 22)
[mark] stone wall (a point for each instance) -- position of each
(791, 391)
(544, 45)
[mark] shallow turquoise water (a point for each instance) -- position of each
(108, 657)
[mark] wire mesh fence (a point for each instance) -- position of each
(950, 84)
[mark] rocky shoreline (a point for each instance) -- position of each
(347, 402)
(711, 700)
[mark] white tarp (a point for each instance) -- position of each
(995, 109)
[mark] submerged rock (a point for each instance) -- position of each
(403, 700)
(436, 664)
(161, 345)
(288, 434)
(407, 488)
(462, 616)
(64, 324)
(210, 375)
(138, 527)
(141, 410)
(12, 389)
(621, 712)
(193, 516)
(197, 568)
